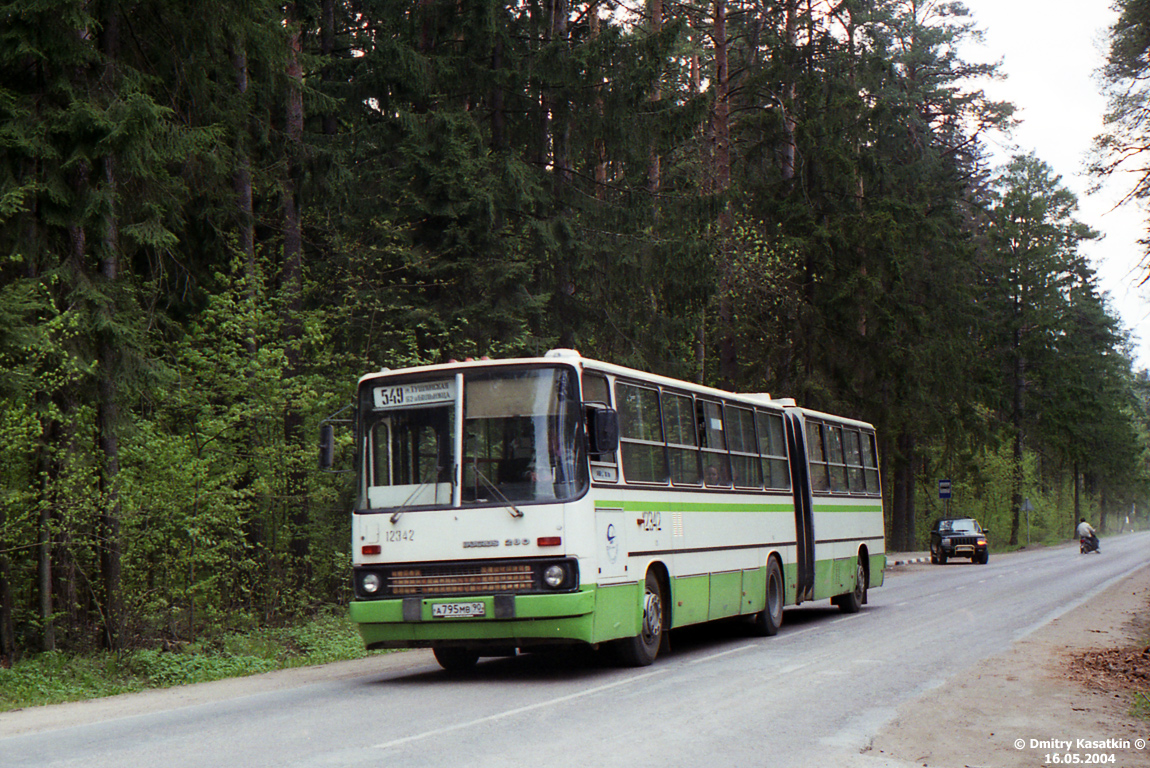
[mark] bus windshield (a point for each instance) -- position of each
(521, 440)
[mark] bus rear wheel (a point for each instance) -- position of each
(852, 602)
(766, 622)
(641, 650)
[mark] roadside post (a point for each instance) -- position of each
(944, 494)
(1027, 507)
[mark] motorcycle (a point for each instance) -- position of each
(1088, 544)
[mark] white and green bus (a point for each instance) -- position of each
(509, 505)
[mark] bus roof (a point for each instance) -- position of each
(572, 357)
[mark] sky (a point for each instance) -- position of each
(1050, 51)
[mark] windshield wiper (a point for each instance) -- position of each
(513, 510)
(403, 507)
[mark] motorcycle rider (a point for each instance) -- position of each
(1086, 531)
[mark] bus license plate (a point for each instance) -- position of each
(458, 610)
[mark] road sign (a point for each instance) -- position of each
(944, 489)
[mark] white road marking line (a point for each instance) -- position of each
(516, 711)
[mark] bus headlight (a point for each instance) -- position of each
(370, 583)
(555, 576)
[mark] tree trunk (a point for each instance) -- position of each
(654, 162)
(108, 409)
(46, 472)
(327, 49)
(790, 143)
(242, 180)
(7, 626)
(1078, 500)
(721, 160)
(291, 286)
(1017, 475)
(903, 534)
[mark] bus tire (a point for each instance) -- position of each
(852, 602)
(641, 650)
(766, 622)
(455, 659)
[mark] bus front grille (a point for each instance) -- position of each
(455, 580)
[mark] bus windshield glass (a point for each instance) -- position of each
(521, 440)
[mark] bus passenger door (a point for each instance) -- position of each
(804, 517)
(611, 550)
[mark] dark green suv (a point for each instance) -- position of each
(958, 537)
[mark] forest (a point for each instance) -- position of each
(216, 215)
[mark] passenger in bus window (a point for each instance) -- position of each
(718, 475)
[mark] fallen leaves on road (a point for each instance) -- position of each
(1112, 669)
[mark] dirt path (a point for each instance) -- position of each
(1067, 681)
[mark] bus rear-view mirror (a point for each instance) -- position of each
(326, 446)
(602, 429)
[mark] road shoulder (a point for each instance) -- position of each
(21, 722)
(1040, 694)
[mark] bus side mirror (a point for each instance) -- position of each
(602, 429)
(326, 446)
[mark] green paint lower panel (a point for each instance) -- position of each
(690, 600)
(726, 595)
(755, 591)
(598, 614)
(877, 570)
(695, 599)
(591, 615)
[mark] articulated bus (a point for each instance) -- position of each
(515, 505)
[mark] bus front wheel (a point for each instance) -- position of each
(766, 622)
(455, 659)
(641, 650)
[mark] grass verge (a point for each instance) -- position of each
(53, 678)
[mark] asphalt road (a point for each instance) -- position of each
(813, 695)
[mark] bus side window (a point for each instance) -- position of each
(716, 461)
(773, 448)
(870, 464)
(682, 443)
(820, 479)
(834, 438)
(641, 434)
(746, 470)
(597, 390)
(853, 450)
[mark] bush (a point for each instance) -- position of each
(52, 678)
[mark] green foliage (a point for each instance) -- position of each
(494, 179)
(1121, 150)
(982, 484)
(164, 670)
(55, 677)
(1140, 706)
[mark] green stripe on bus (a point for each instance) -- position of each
(692, 506)
(846, 508)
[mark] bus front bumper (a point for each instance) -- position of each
(411, 622)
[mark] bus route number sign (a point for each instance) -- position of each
(413, 395)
